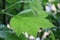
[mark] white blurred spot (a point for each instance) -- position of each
(8, 25)
(38, 38)
(31, 38)
(26, 34)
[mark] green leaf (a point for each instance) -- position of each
(30, 24)
(7, 34)
(36, 7)
(52, 36)
(22, 37)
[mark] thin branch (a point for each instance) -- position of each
(12, 6)
(2, 11)
(25, 11)
(16, 4)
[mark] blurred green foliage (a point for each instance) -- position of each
(7, 34)
(29, 16)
